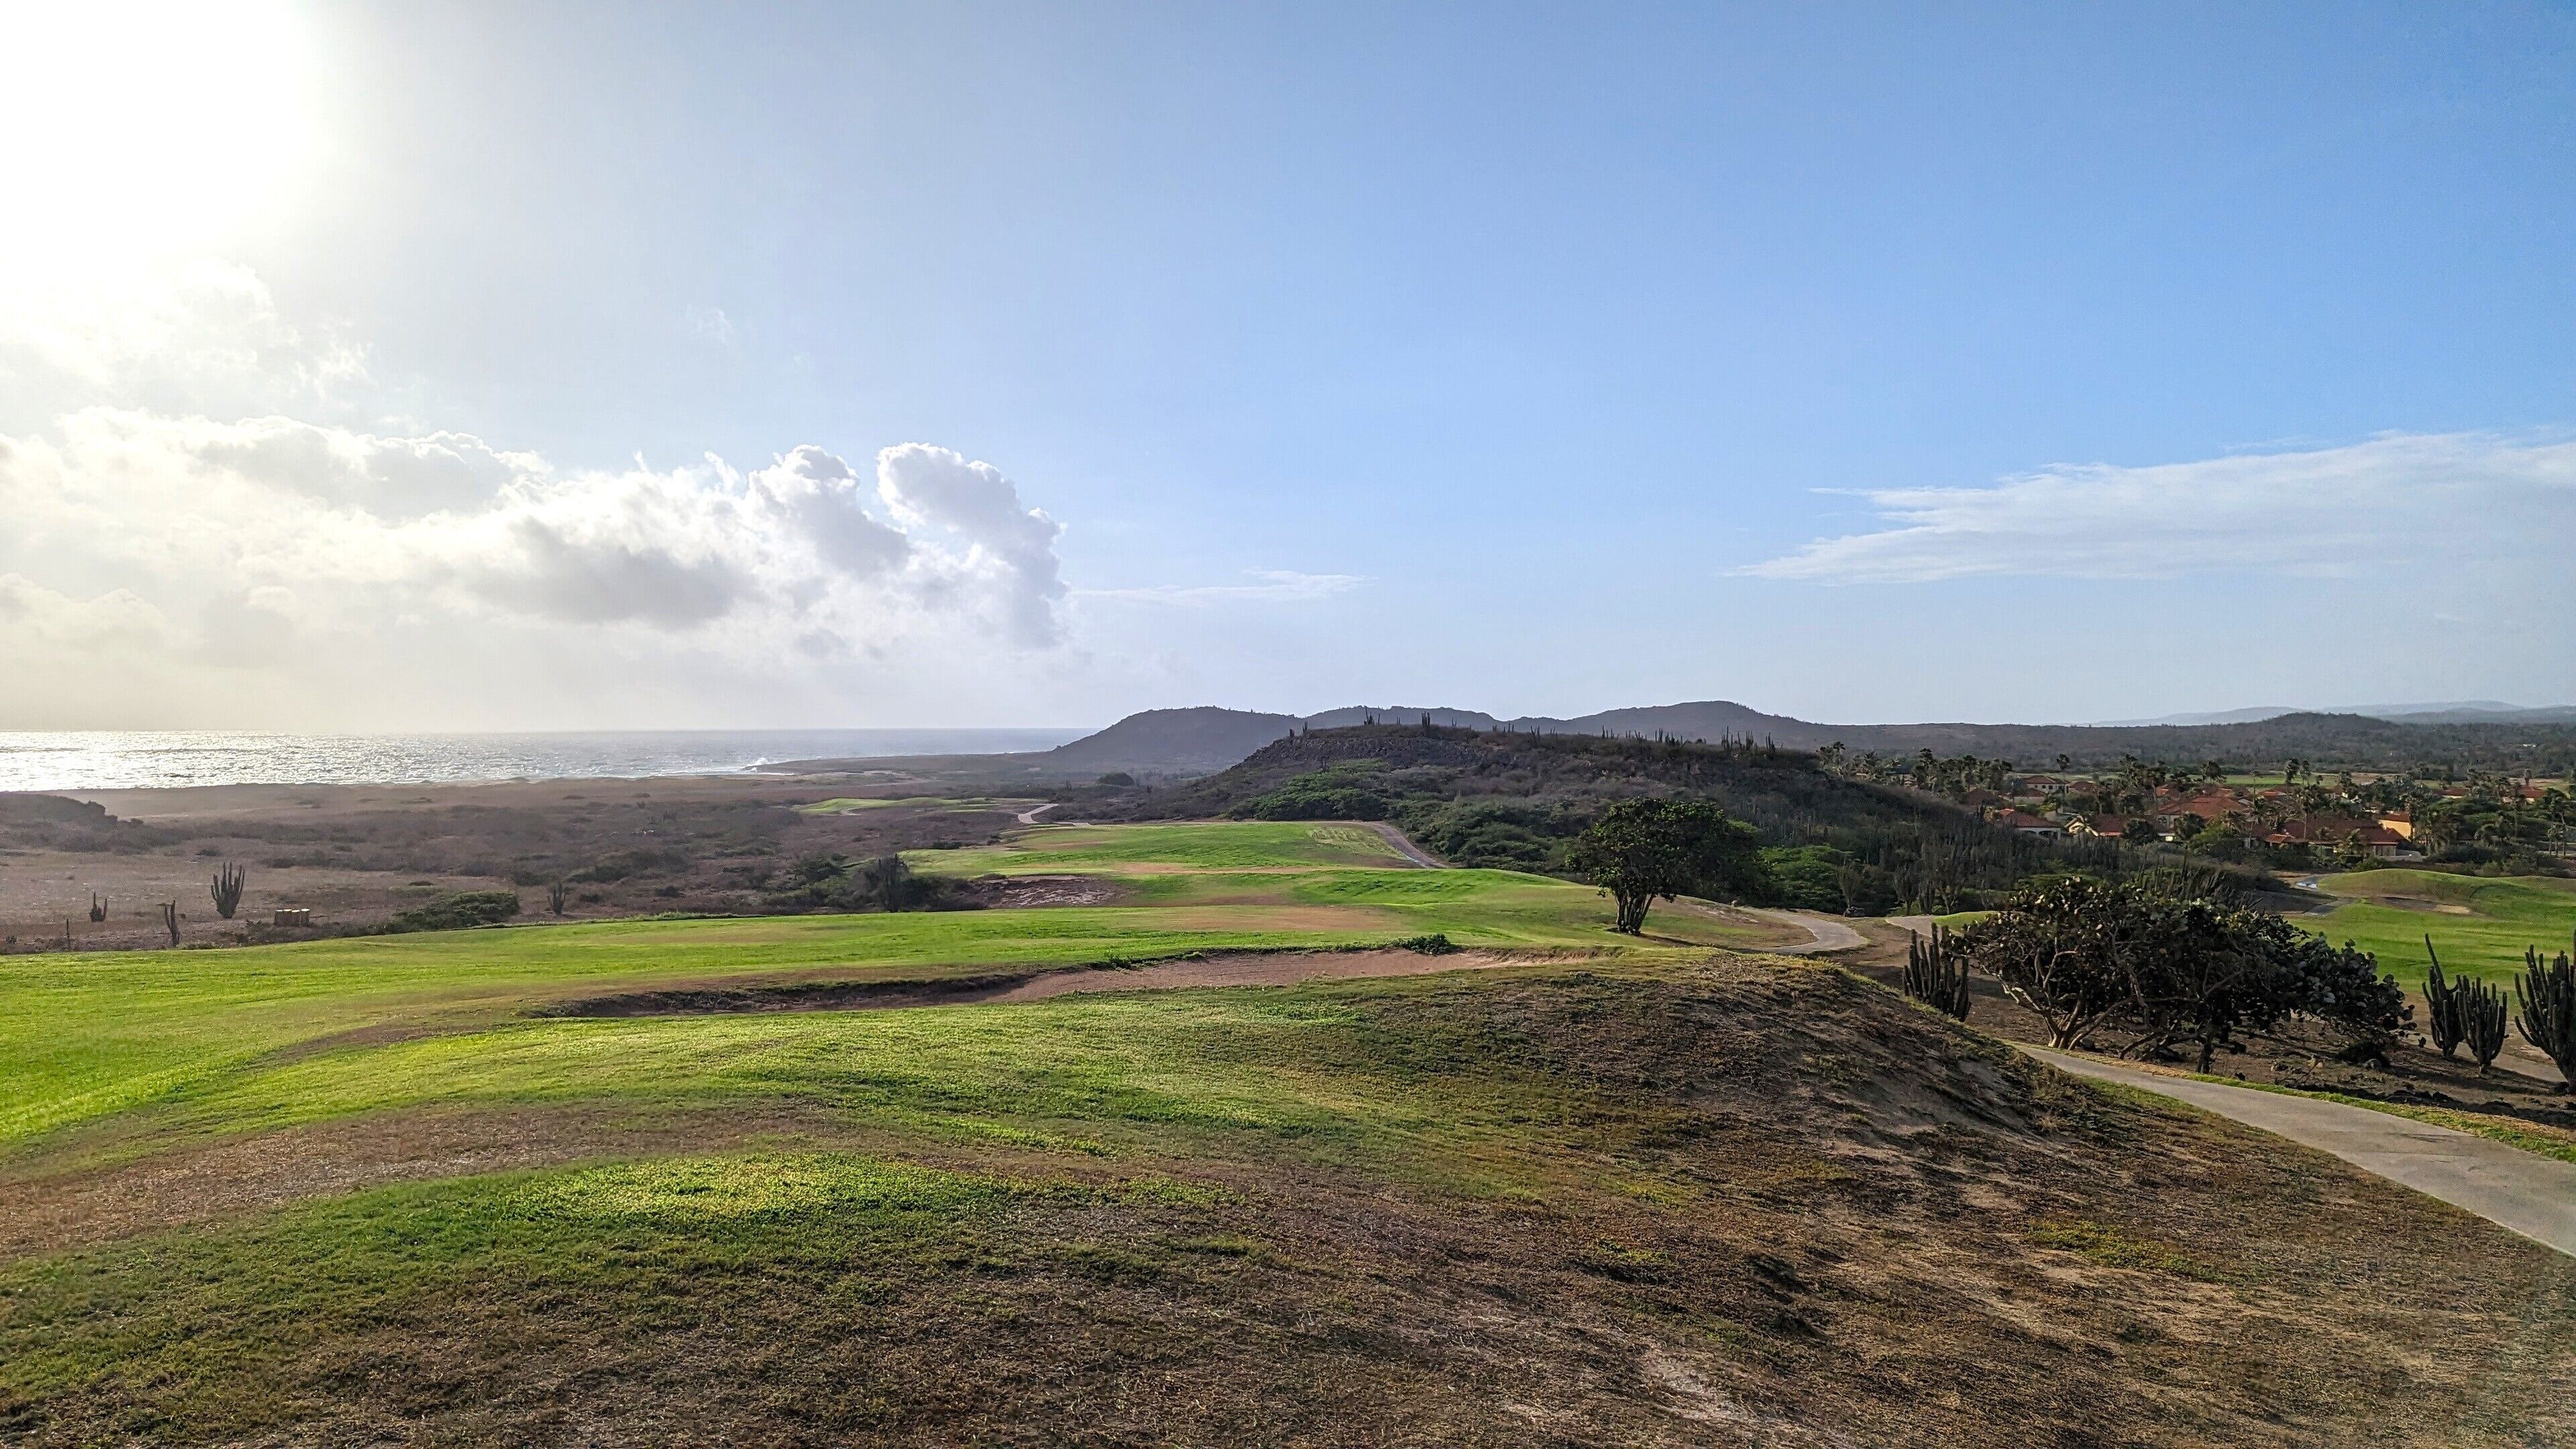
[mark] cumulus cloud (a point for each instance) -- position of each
(2396, 502)
(1011, 545)
(269, 530)
(1271, 584)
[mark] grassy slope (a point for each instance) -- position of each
(1653, 1199)
(1658, 1204)
(2485, 936)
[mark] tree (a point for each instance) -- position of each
(1643, 850)
(2338, 985)
(2196, 973)
(2052, 947)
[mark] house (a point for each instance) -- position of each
(2028, 824)
(2330, 832)
(2099, 827)
(2400, 823)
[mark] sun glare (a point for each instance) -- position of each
(129, 130)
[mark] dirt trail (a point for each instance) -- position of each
(1030, 816)
(1404, 845)
(1282, 968)
(2521, 1191)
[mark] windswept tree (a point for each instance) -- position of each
(1644, 850)
(2172, 969)
(2054, 949)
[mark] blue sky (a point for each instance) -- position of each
(1859, 363)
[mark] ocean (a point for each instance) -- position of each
(136, 759)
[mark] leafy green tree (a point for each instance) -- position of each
(1643, 850)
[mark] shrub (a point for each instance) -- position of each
(458, 912)
(1435, 944)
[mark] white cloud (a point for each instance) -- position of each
(240, 544)
(2400, 502)
(1274, 584)
(1010, 546)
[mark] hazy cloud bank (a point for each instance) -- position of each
(2395, 502)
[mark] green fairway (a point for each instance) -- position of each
(87, 1035)
(1220, 845)
(2480, 924)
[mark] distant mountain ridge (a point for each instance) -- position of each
(2464, 711)
(1206, 739)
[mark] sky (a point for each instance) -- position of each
(525, 366)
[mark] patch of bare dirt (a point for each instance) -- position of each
(1253, 968)
(1247, 968)
(1011, 892)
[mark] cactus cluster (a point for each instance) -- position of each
(2466, 1011)
(227, 889)
(1935, 975)
(2547, 994)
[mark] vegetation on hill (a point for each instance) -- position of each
(1168, 743)
(1519, 801)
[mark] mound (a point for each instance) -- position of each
(1730, 1203)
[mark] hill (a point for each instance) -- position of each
(1502, 799)
(1193, 741)
(1169, 741)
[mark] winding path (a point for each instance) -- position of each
(1405, 847)
(1826, 935)
(2522, 1191)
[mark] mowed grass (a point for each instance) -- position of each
(1198, 845)
(2480, 924)
(1293, 1065)
(85, 1036)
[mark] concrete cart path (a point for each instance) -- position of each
(2524, 1191)
(1825, 934)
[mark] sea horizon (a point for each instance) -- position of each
(72, 760)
